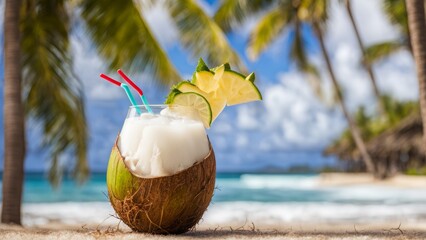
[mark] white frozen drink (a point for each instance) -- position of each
(155, 145)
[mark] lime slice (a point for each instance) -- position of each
(244, 91)
(248, 92)
(190, 87)
(217, 103)
(229, 83)
(238, 89)
(196, 101)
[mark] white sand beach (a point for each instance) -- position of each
(231, 231)
(351, 179)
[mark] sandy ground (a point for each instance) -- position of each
(348, 179)
(294, 231)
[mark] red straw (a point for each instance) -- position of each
(110, 79)
(127, 79)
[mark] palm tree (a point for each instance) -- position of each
(367, 65)
(417, 26)
(53, 94)
(14, 137)
(291, 15)
(355, 132)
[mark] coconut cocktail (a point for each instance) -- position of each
(162, 168)
(161, 172)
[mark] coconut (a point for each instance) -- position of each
(161, 205)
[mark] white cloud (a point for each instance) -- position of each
(161, 23)
(88, 65)
(222, 127)
(290, 118)
(372, 23)
(242, 141)
(247, 117)
(395, 76)
(244, 29)
(295, 117)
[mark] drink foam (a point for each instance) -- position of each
(155, 145)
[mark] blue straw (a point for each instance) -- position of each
(145, 102)
(138, 89)
(132, 100)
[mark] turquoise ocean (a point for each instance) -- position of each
(238, 197)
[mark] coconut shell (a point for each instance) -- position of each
(162, 205)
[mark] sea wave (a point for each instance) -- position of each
(258, 181)
(309, 188)
(101, 213)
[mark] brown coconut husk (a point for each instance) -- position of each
(163, 205)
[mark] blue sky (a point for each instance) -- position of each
(290, 127)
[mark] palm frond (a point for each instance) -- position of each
(201, 35)
(397, 14)
(236, 11)
(124, 39)
(300, 57)
(313, 11)
(53, 95)
(320, 9)
(298, 51)
(381, 50)
(268, 29)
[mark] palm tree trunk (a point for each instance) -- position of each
(367, 66)
(417, 27)
(352, 126)
(14, 136)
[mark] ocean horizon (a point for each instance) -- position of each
(232, 187)
(240, 197)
